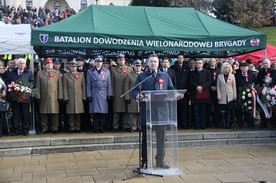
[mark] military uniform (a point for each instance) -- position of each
(132, 104)
(49, 92)
(74, 95)
(98, 90)
(118, 77)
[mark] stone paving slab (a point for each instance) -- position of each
(235, 163)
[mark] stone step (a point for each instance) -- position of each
(126, 145)
(46, 144)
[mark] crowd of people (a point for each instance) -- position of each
(36, 17)
(87, 97)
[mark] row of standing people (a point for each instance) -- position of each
(98, 87)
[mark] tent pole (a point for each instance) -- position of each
(32, 130)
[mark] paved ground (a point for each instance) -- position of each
(239, 163)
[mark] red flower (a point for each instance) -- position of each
(123, 72)
(160, 81)
(51, 75)
(77, 77)
(102, 74)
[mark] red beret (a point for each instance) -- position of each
(47, 61)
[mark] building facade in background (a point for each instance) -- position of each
(62, 4)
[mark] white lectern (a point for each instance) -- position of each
(161, 125)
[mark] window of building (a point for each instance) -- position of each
(57, 5)
(29, 3)
(83, 4)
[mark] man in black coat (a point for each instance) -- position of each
(200, 83)
(20, 107)
(166, 68)
(212, 118)
(264, 78)
(155, 76)
(244, 78)
(182, 82)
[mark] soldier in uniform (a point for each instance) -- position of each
(118, 77)
(99, 92)
(62, 117)
(132, 105)
(73, 96)
(49, 93)
(85, 117)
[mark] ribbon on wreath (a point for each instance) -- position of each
(254, 100)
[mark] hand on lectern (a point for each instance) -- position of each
(139, 97)
(179, 96)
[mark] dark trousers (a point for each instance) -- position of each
(200, 114)
(160, 143)
(74, 121)
(21, 114)
(183, 112)
(2, 121)
(99, 120)
(86, 118)
(244, 117)
(44, 121)
(212, 119)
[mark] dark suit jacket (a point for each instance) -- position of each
(263, 73)
(203, 79)
(171, 73)
(25, 76)
(241, 80)
(152, 84)
(182, 76)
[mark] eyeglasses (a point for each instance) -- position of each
(137, 65)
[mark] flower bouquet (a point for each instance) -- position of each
(20, 91)
(269, 96)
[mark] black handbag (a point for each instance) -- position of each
(4, 106)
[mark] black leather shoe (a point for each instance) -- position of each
(162, 165)
(143, 165)
(41, 132)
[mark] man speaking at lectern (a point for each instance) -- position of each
(154, 79)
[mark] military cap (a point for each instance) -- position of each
(98, 58)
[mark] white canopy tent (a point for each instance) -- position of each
(15, 39)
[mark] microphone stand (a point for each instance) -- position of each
(138, 171)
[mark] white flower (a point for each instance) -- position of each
(245, 104)
(243, 97)
(243, 92)
(23, 88)
(268, 97)
(249, 102)
(248, 90)
(249, 95)
(249, 108)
